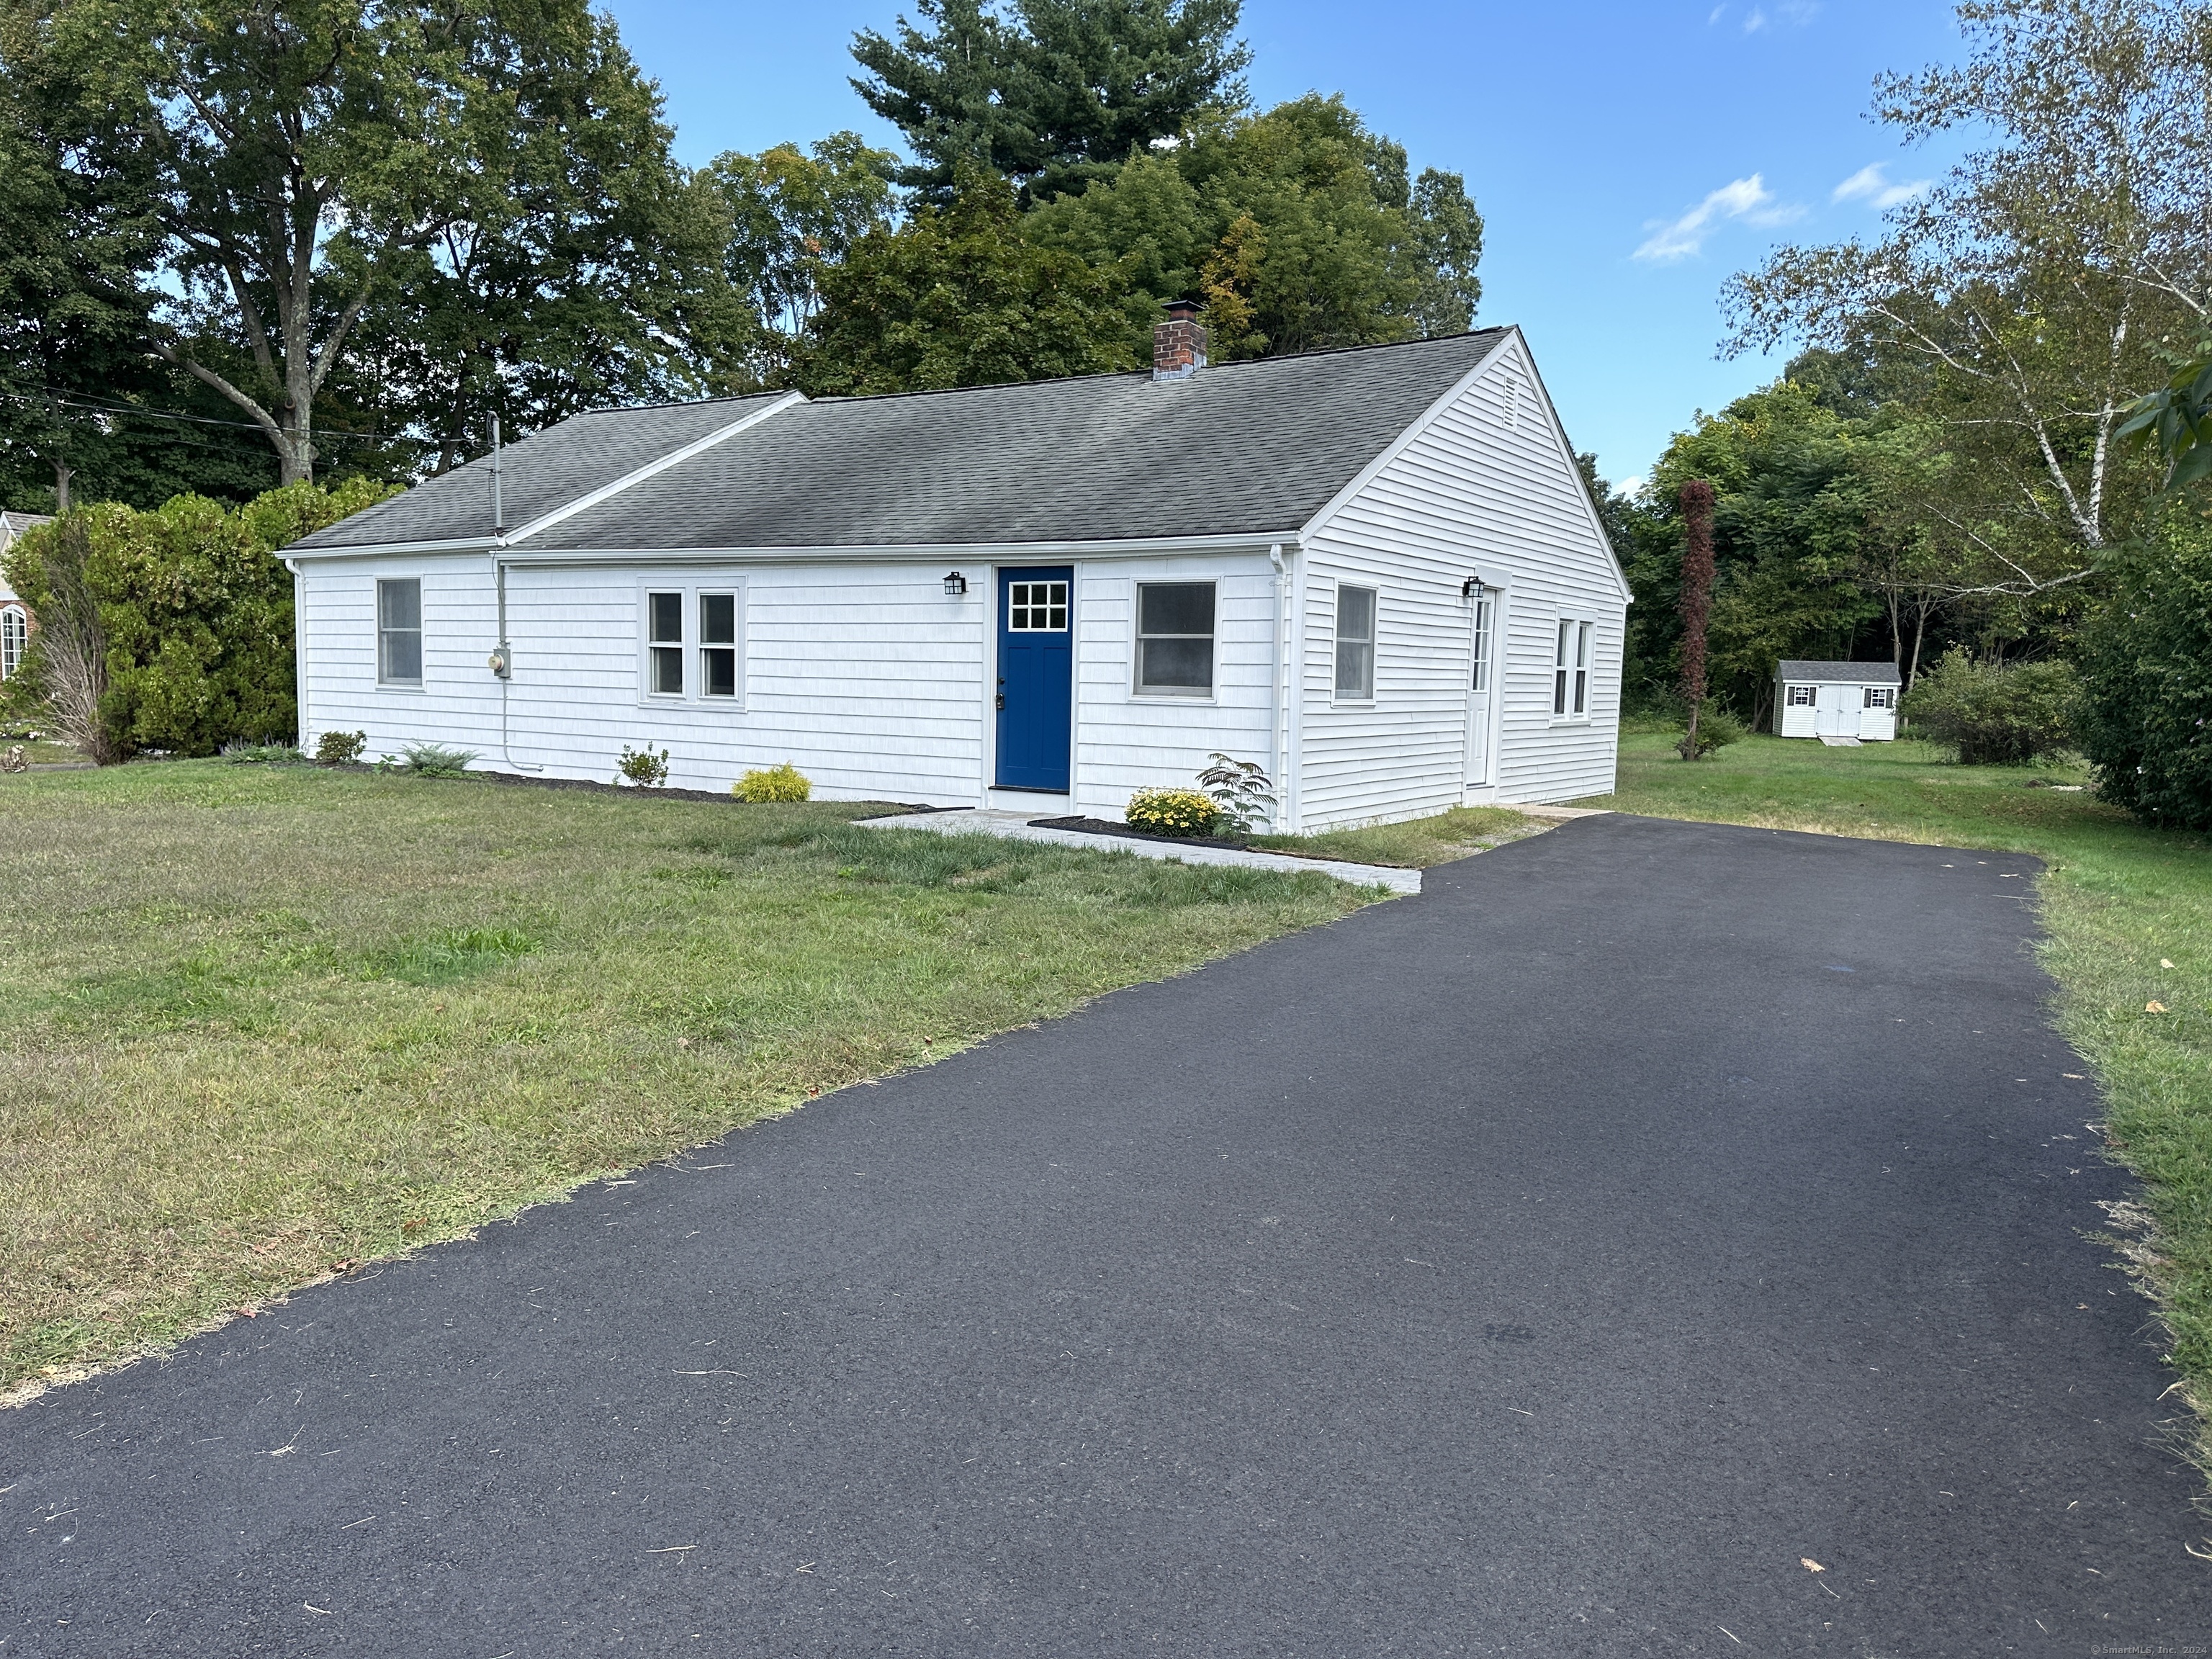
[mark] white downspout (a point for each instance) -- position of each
(1279, 721)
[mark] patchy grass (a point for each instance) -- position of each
(40, 750)
(1439, 839)
(263, 1020)
(2129, 912)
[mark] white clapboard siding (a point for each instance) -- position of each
(866, 677)
(1487, 483)
(1124, 742)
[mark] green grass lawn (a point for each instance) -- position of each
(265, 1020)
(1439, 839)
(2129, 912)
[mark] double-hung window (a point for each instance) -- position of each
(1355, 644)
(15, 636)
(1880, 697)
(664, 644)
(399, 631)
(1174, 639)
(1570, 666)
(718, 645)
(1801, 696)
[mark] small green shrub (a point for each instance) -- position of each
(773, 783)
(340, 748)
(260, 754)
(1992, 715)
(1716, 729)
(644, 768)
(2145, 715)
(1240, 792)
(1171, 812)
(433, 760)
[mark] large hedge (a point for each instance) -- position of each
(1994, 714)
(192, 613)
(2146, 676)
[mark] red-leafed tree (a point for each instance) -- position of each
(1697, 498)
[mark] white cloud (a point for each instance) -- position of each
(1756, 22)
(1747, 199)
(1799, 13)
(1871, 184)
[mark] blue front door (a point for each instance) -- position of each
(1037, 678)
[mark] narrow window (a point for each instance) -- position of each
(1355, 644)
(718, 645)
(14, 634)
(1582, 667)
(1175, 638)
(1480, 682)
(1560, 671)
(1802, 696)
(399, 631)
(1881, 696)
(664, 640)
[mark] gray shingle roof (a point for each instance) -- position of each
(1238, 448)
(1852, 673)
(546, 470)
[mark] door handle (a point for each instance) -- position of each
(1002, 699)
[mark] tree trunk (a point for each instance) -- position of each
(63, 473)
(1697, 600)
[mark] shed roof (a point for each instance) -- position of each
(1252, 447)
(1844, 673)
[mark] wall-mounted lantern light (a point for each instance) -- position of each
(1469, 588)
(955, 584)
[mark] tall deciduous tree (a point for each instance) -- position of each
(958, 297)
(1051, 93)
(582, 267)
(2033, 286)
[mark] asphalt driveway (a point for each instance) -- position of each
(1552, 1263)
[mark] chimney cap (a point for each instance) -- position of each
(1182, 311)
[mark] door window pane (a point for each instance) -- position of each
(1175, 637)
(1481, 680)
(1355, 643)
(663, 626)
(718, 645)
(1037, 607)
(399, 631)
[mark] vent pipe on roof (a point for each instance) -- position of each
(498, 505)
(1179, 343)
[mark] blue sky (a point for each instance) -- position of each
(1627, 157)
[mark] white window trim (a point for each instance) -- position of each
(694, 694)
(1337, 699)
(1886, 694)
(416, 686)
(21, 616)
(1791, 688)
(1138, 691)
(1585, 642)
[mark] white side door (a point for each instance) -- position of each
(1482, 673)
(1837, 715)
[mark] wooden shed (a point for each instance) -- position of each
(1837, 701)
(1376, 572)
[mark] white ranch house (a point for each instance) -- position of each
(1376, 572)
(1837, 700)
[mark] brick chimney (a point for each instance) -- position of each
(1179, 343)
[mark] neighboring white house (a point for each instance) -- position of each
(1376, 572)
(1837, 700)
(15, 614)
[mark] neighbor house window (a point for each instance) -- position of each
(1570, 671)
(1801, 696)
(1355, 644)
(399, 631)
(14, 634)
(1175, 638)
(718, 645)
(664, 644)
(1880, 697)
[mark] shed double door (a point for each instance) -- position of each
(1836, 714)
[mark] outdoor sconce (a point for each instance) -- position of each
(1466, 589)
(955, 584)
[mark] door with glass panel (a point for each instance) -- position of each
(1481, 670)
(1036, 675)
